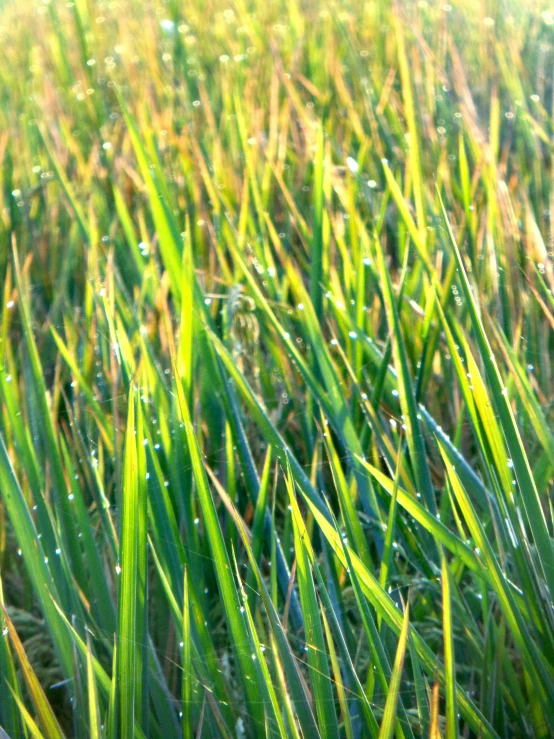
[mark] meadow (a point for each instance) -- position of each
(276, 385)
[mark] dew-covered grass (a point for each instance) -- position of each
(276, 390)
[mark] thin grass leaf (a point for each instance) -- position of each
(389, 716)
(449, 666)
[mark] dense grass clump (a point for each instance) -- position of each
(276, 442)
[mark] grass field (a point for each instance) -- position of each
(276, 384)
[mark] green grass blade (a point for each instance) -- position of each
(389, 717)
(449, 666)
